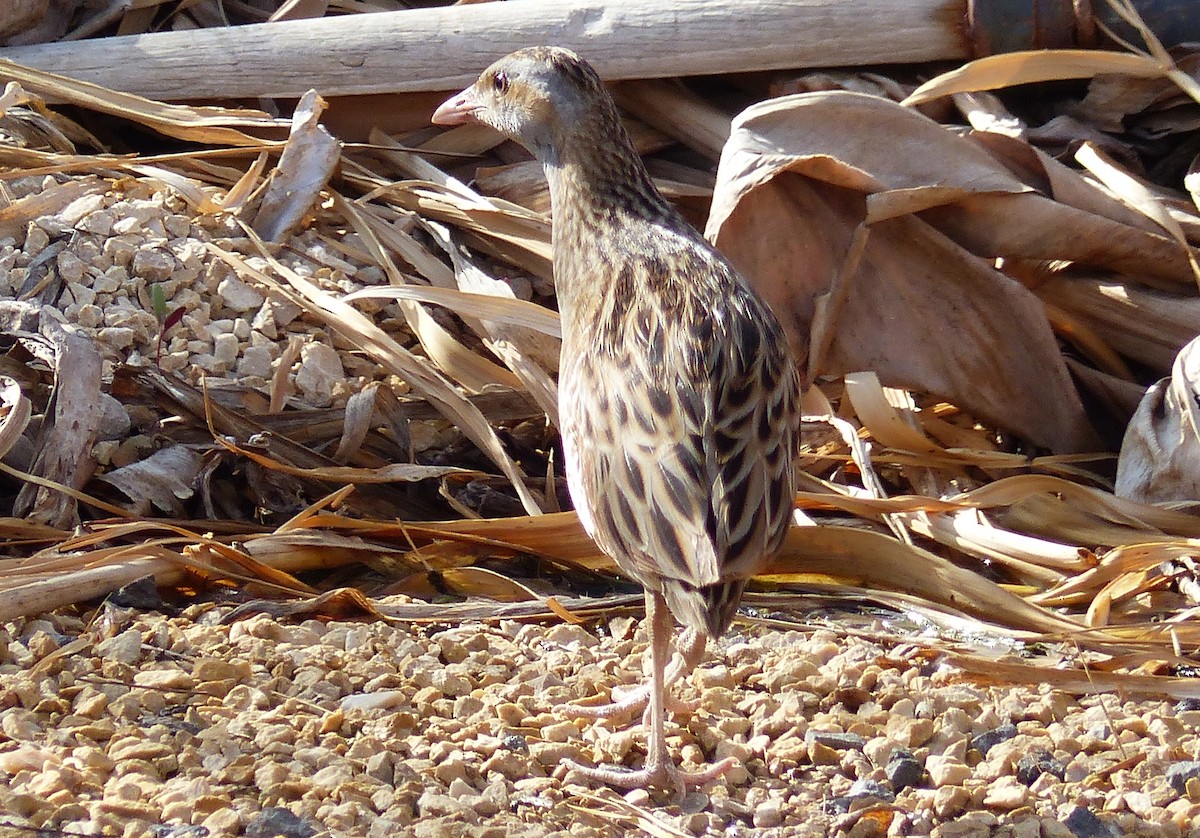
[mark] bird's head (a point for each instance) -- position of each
(538, 96)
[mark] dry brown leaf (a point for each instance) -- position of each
(309, 158)
(63, 450)
(506, 310)
(999, 71)
(531, 355)
(869, 559)
(915, 308)
(1072, 680)
(1146, 325)
(1137, 195)
(163, 479)
(1160, 455)
(468, 368)
(16, 412)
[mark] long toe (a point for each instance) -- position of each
(636, 701)
(666, 776)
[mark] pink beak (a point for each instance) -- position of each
(458, 109)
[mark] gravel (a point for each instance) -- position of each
(121, 723)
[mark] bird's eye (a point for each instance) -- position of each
(500, 82)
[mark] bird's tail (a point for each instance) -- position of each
(708, 608)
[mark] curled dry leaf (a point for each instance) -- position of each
(529, 354)
(309, 158)
(999, 71)
(918, 309)
(15, 412)
(163, 479)
(63, 450)
(1160, 455)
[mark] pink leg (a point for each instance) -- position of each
(691, 650)
(660, 771)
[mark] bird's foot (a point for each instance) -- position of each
(664, 775)
(637, 700)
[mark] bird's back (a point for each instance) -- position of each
(679, 407)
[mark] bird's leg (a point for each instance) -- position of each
(660, 770)
(686, 658)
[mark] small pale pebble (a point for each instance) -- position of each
(81, 208)
(879, 750)
(946, 771)
(264, 322)
(768, 814)
(758, 745)
(225, 349)
(570, 636)
(111, 281)
(1139, 803)
(911, 733)
(1006, 793)
(82, 294)
(256, 361)
(451, 769)
(467, 706)
(714, 676)
(90, 316)
(461, 789)
(165, 679)
(119, 250)
(26, 758)
(382, 700)
(320, 369)
(114, 420)
(153, 265)
(237, 295)
(729, 748)
(174, 361)
(70, 267)
(638, 797)
(948, 801)
(560, 732)
(127, 226)
(209, 363)
(450, 683)
(332, 776)
(224, 821)
(125, 647)
(177, 226)
(99, 222)
(552, 753)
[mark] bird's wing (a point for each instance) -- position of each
(638, 478)
(680, 460)
(754, 441)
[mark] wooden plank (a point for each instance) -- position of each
(445, 48)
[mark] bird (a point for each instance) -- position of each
(679, 399)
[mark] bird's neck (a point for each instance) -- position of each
(599, 171)
(597, 190)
